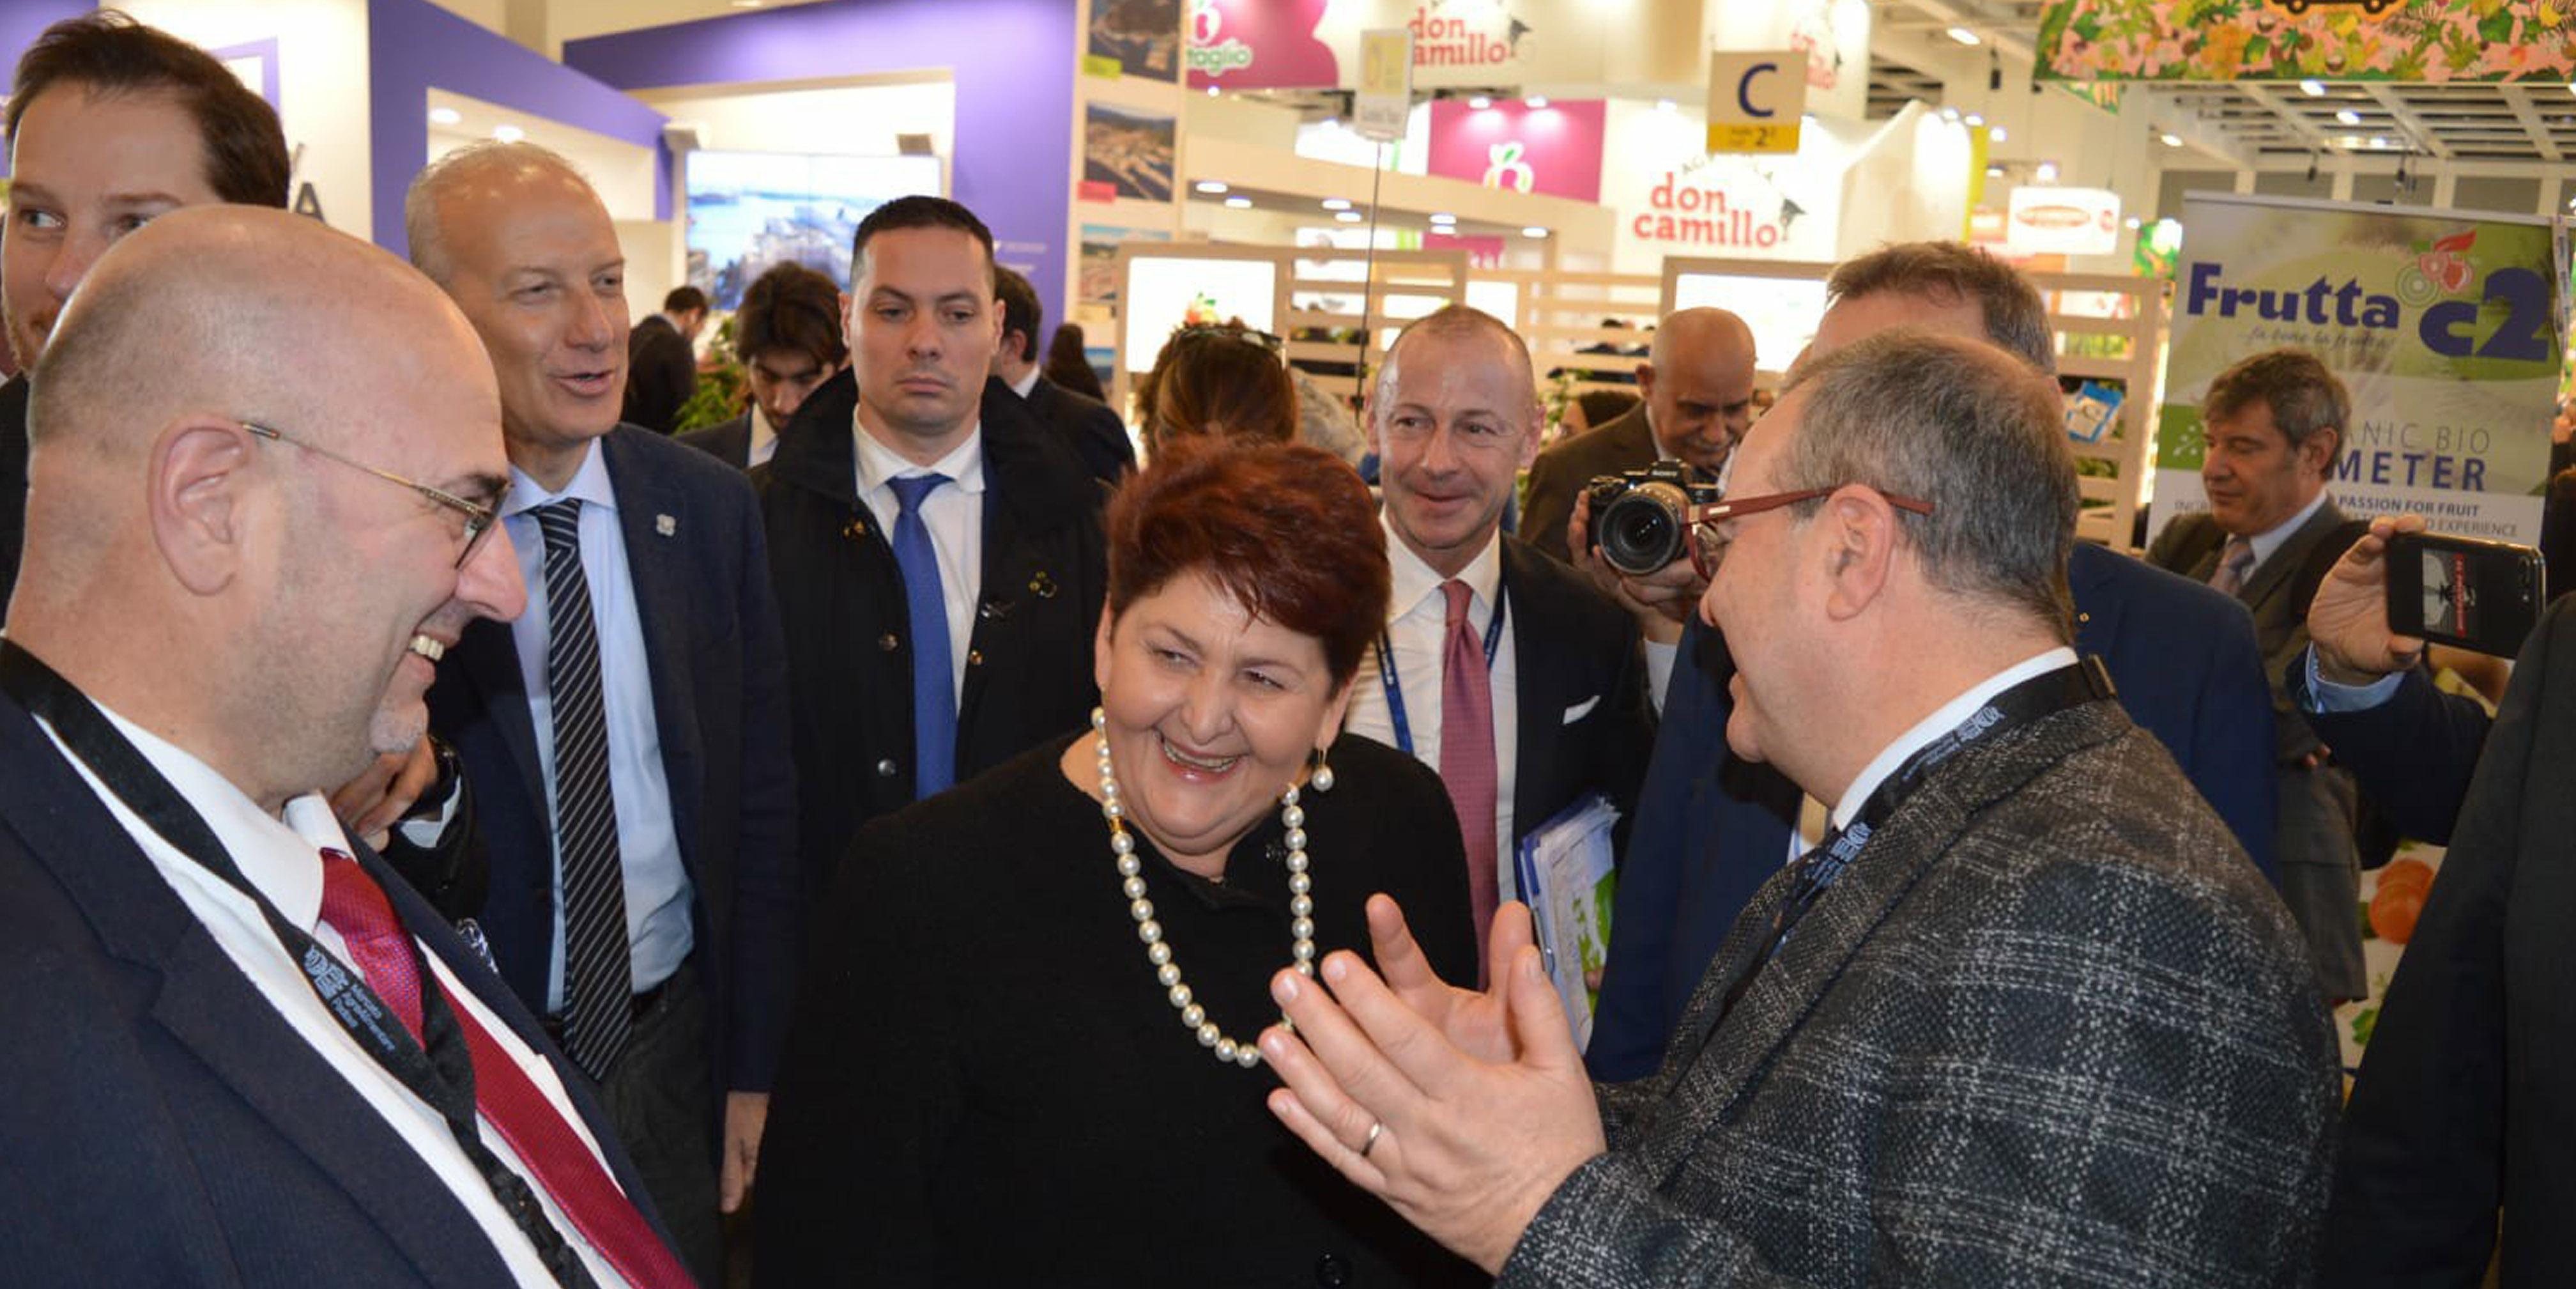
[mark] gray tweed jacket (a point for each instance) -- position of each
(2050, 1028)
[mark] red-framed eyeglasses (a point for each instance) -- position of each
(1707, 543)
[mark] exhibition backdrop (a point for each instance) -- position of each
(2447, 327)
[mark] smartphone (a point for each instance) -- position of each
(2480, 595)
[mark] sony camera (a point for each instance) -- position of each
(1641, 518)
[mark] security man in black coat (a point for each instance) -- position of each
(936, 552)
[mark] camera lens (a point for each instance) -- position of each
(1641, 531)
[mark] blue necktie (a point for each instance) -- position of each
(934, 685)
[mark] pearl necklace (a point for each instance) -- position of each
(1167, 973)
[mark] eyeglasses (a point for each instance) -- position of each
(479, 517)
(1707, 543)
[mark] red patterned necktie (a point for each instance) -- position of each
(1467, 758)
(503, 1094)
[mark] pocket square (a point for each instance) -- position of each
(1581, 709)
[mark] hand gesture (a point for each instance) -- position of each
(2348, 620)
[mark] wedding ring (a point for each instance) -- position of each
(1376, 1126)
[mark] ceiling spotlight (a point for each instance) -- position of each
(1964, 36)
(2313, 89)
(1974, 118)
(1533, 231)
(1666, 105)
(1337, 203)
(1348, 216)
(1444, 217)
(445, 116)
(1535, 101)
(1239, 203)
(2347, 116)
(1996, 134)
(1212, 187)
(2378, 141)
(508, 133)
(2046, 172)
(1480, 102)
(2171, 140)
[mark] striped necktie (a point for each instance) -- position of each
(599, 974)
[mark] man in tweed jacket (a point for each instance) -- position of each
(2045, 1026)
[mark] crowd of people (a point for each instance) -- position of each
(453, 833)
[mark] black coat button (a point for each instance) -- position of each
(887, 643)
(886, 769)
(1332, 1271)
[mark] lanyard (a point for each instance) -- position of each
(442, 1076)
(1395, 688)
(2042, 695)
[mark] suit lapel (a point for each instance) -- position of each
(488, 659)
(2097, 610)
(654, 519)
(2278, 571)
(210, 1008)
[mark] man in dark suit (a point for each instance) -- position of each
(238, 1050)
(1086, 424)
(628, 736)
(788, 332)
(662, 360)
(1907, 1035)
(1712, 827)
(937, 552)
(1697, 387)
(1524, 722)
(2274, 428)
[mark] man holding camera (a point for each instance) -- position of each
(1696, 387)
(2274, 427)
(1499, 667)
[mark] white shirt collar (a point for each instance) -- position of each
(281, 857)
(2269, 540)
(1414, 581)
(763, 434)
(1023, 385)
(589, 485)
(1941, 722)
(964, 464)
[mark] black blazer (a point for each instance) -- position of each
(726, 441)
(711, 642)
(1028, 663)
(13, 482)
(1558, 476)
(165, 1125)
(2462, 1107)
(1585, 721)
(1094, 432)
(661, 374)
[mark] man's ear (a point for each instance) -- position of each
(1858, 533)
(199, 504)
(2320, 449)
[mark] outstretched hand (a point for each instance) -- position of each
(1463, 1110)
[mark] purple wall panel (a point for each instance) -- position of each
(21, 21)
(414, 46)
(1013, 64)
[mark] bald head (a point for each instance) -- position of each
(256, 446)
(463, 184)
(1698, 385)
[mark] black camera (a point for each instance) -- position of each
(1641, 518)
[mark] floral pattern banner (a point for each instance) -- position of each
(2225, 40)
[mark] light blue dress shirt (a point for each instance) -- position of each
(657, 884)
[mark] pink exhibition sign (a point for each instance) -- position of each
(1554, 150)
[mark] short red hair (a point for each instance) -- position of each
(1288, 530)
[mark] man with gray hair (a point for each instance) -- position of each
(2273, 425)
(628, 735)
(1926, 1055)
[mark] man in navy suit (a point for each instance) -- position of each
(238, 1051)
(1711, 828)
(628, 736)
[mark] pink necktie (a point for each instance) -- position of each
(2233, 564)
(1467, 758)
(356, 907)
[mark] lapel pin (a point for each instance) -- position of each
(1043, 585)
(665, 525)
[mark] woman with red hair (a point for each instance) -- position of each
(1024, 1050)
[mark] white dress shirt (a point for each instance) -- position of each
(282, 860)
(1024, 384)
(658, 933)
(955, 517)
(1419, 630)
(764, 438)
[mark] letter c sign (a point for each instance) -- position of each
(1744, 89)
